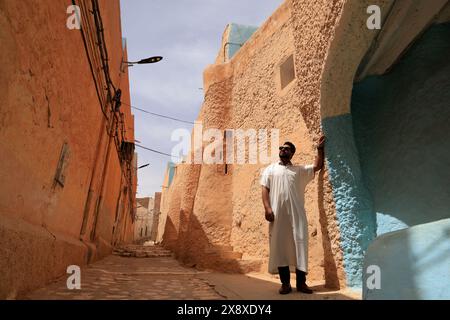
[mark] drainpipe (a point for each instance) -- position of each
(124, 228)
(87, 204)
(103, 178)
(116, 219)
(97, 157)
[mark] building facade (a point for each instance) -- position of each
(379, 94)
(68, 175)
(148, 219)
(144, 219)
(156, 216)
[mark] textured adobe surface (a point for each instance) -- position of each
(224, 213)
(49, 99)
(353, 200)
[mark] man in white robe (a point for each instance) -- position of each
(283, 188)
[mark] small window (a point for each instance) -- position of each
(287, 72)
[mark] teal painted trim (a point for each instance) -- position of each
(171, 168)
(353, 202)
(388, 160)
(387, 223)
(238, 35)
(414, 263)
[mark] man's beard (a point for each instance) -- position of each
(284, 156)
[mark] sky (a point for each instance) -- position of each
(188, 34)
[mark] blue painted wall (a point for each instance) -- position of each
(389, 160)
(414, 263)
(353, 202)
(401, 123)
(238, 35)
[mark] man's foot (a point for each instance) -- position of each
(304, 288)
(285, 289)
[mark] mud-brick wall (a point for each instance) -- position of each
(197, 203)
(254, 100)
(258, 102)
(49, 99)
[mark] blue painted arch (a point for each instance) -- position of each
(389, 159)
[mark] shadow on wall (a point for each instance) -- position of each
(388, 159)
(401, 124)
(170, 235)
(421, 273)
(193, 248)
(199, 241)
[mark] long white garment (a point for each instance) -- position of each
(288, 233)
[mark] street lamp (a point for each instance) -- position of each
(144, 61)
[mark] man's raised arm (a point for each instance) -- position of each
(318, 164)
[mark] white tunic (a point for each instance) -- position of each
(288, 233)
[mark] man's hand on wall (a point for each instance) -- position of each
(321, 143)
(318, 164)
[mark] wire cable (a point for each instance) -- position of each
(155, 151)
(157, 114)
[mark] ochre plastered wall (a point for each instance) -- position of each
(49, 98)
(225, 210)
(329, 41)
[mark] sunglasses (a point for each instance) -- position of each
(285, 148)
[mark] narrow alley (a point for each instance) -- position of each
(224, 150)
(151, 273)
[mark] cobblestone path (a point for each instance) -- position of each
(151, 273)
(141, 274)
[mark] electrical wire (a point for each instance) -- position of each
(157, 114)
(119, 123)
(91, 64)
(155, 151)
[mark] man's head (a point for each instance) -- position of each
(287, 150)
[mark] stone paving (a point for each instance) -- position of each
(138, 278)
(142, 251)
(154, 274)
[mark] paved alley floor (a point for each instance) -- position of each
(150, 276)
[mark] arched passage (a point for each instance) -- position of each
(401, 122)
(358, 147)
